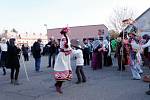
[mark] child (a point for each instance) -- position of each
(78, 54)
(3, 48)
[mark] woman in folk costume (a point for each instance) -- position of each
(135, 57)
(62, 65)
(97, 53)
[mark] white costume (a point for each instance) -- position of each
(79, 57)
(136, 61)
(3, 54)
(62, 65)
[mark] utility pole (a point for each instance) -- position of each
(125, 22)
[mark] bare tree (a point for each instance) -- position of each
(14, 30)
(118, 15)
(113, 34)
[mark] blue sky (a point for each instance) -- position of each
(31, 15)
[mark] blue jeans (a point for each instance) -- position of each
(37, 63)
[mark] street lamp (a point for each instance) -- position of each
(45, 25)
(46, 30)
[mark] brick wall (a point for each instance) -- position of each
(79, 32)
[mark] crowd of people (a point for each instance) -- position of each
(96, 53)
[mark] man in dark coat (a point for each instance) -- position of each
(36, 50)
(13, 61)
(122, 61)
(52, 51)
(86, 52)
(25, 50)
(118, 54)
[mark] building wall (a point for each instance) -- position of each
(27, 38)
(79, 32)
(143, 23)
(30, 41)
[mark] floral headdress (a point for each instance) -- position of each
(64, 30)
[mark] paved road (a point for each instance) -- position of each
(105, 84)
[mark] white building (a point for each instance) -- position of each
(26, 38)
